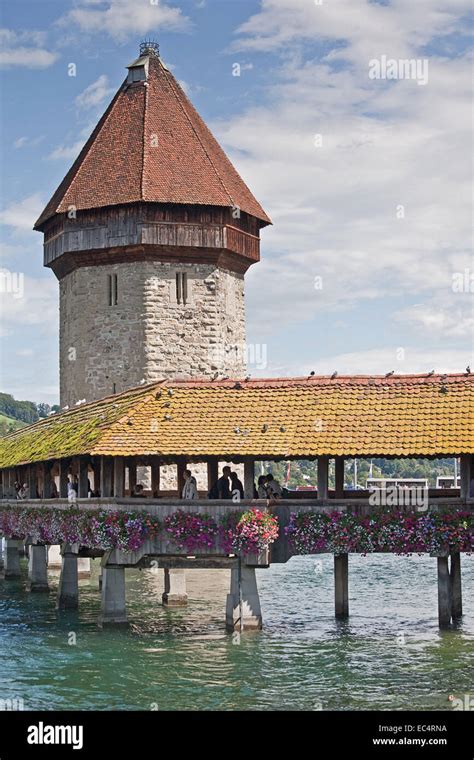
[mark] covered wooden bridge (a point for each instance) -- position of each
(99, 446)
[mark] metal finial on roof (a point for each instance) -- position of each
(149, 47)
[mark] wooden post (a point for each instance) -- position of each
(155, 476)
(444, 593)
(96, 467)
(132, 474)
(341, 585)
(465, 475)
(32, 481)
(181, 466)
(63, 477)
(47, 479)
(456, 590)
(83, 477)
(106, 476)
(323, 477)
(175, 588)
(249, 479)
(119, 477)
(339, 476)
(212, 472)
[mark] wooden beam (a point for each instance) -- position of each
(466, 475)
(47, 479)
(323, 477)
(132, 473)
(181, 466)
(249, 478)
(212, 472)
(339, 477)
(119, 477)
(106, 476)
(96, 466)
(63, 477)
(341, 585)
(83, 477)
(444, 593)
(32, 480)
(155, 476)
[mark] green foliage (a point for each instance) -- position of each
(304, 473)
(8, 425)
(26, 411)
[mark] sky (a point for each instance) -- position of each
(351, 122)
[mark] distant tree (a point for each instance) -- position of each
(44, 410)
(25, 411)
(55, 409)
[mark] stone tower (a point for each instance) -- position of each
(150, 235)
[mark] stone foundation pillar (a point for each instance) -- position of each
(248, 593)
(341, 585)
(12, 559)
(175, 589)
(113, 610)
(38, 569)
(68, 590)
(456, 589)
(444, 593)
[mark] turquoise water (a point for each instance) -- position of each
(389, 655)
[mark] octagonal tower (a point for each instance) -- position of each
(150, 235)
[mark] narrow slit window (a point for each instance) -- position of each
(112, 289)
(179, 294)
(185, 286)
(182, 288)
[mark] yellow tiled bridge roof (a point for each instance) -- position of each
(398, 415)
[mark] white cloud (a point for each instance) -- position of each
(359, 30)
(95, 94)
(70, 152)
(28, 142)
(25, 352)
(124, 18)
(443, 318)
(67, 152)
(387, 150)
(37, 305)
(24, 49)
(21, 215)
(379, 361)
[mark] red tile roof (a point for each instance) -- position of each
(276, 418)
(152, 145)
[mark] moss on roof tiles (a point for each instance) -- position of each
(403, 415)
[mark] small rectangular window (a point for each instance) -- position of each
(182, 287)
(138, 74)
(112, 289)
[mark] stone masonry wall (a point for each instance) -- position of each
(147, 335)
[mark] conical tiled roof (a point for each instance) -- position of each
(151, 145)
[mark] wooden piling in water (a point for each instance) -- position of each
(341, 585)
(456, 589)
